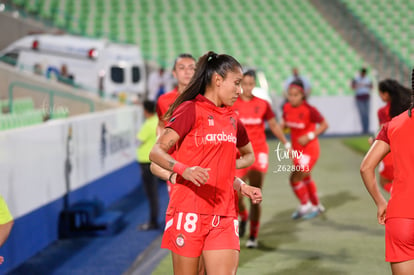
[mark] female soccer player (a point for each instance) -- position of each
(201, 218)
(253, 112)
(302, 119)
(183, 71)
(398, 216)
(397, 96)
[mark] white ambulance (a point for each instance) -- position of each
(93, 64)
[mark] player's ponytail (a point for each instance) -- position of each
(207, 65)
(412, 93)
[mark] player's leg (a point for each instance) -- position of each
(403, 268)
(221, 262)
(184, 265)
(256, 179)
(317, 207)
(301, 193)
(222, 246)
(243, 211)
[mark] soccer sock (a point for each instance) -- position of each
(300, 191)
(312, 190)
(244, 215)
(387, 187)
(254, 228)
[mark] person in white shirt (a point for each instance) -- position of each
(362, 85)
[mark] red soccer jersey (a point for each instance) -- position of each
(384, 114)
(253, 114)
(398, 134)
(301, 120)
(209, 136)
(164, 102)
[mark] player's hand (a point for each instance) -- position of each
(254, 193)
(196, 175)
(303, 140)
(381, 212)
(1, 259)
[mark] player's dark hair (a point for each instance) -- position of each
(149, 106)
(182, 55)
(251, 73)
(207, 65)
(412, 94)
(399, 96)
(299, 82)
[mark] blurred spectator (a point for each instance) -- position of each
(362, 85)
(296, 76)
(156, 84)
(6, 223)
(147, 137)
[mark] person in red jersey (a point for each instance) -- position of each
(302, 120)
(183, 71)
(201, 217)
(395, 94)
(253, 112)
(395, 137)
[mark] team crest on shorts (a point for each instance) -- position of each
(180, 240)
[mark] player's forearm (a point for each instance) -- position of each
(245, 160)
(277, 132)
(5, 231)
(162, 158)
(323, 126)
(159, 172)
(370, 182)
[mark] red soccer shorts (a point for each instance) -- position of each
(386, 168)
(260, 164)
(305, 162)
(188, 234)
(399, 239)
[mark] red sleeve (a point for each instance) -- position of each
(284, 110)
(242, 137)
(269, 112)
(183, 118)
(383, 134)
(315, 116)
(158, 109)
(382, 116)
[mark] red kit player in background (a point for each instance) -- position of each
(201, 218)
(302, 120)
(183, 70)
(253, 112)
(397, 96)
(396, 138)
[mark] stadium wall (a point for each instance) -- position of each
(92, 154)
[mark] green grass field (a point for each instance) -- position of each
(346, 239)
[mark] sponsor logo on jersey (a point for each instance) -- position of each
(251, 121)
(296, 125)
(216, 138)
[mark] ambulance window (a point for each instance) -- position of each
(135, 74)
(10, 57)
(117, 74)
